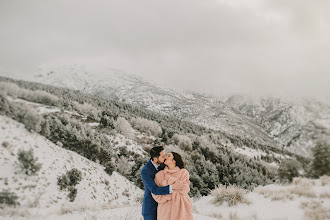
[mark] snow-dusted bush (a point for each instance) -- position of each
(87, 109)
(147, 126)
(72, 193)
(109, 167)
(325, 195)
(27, 116)
(8, 198)
(20, 112)
(304, 182)
(71, 178)
(42, 97)
(4, 104)
(27, 162)
(123, 166)
(10, 88)
(182, 141)
(288, 169)
(231, 194)
(68, 182)
(303, 190)
(31, 120)
(107, 121)
(174, 148)
(125, 128)
(39, 96)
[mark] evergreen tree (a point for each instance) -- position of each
(289, 169)
(321, 159)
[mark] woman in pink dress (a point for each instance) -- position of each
(177, 205)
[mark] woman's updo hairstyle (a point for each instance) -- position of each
(178, 159)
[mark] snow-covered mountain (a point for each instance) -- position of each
(111, 83)
(294, 125)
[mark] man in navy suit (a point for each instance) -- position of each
(148, 173)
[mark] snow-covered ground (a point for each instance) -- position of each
(101, 196)
(257, 153)
(119, 141)
(40, 194)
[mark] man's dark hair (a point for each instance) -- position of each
(155, 151)
(178, 160)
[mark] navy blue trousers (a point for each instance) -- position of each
(151, 216)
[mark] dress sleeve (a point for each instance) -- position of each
(160, 198)
(184, 179)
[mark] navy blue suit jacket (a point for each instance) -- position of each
(148, 174)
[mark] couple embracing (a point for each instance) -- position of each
(166, 184)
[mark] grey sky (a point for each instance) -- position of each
(215, 46)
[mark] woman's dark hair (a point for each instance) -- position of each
(178, 159)
(155, 151)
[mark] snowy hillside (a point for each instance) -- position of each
(99, 196)
(115, 84)
(40, 195)
(295, 124)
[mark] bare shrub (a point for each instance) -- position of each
(303, 190)
(305, 182)
(325, 180)
(147, 126)
(10, 88)
(27, 116)
(123, 166)
(231, 194)
(87, 109)
(124, 127)
(274, 194)
(315, 211)
(325, 195)
(183, 142)
(174, 148)
(40, 97)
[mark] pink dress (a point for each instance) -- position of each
(177, 205)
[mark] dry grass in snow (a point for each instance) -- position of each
(230, 194)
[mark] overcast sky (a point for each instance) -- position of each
(215, 46)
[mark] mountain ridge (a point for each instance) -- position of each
(260, 119)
